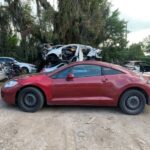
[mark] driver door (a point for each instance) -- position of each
(85, 88)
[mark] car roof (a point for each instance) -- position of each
(8, 57)
(93, 62)
(77, 45)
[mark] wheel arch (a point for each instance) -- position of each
(42, 91)
(52, 54)
(26, 67)
(134, 88)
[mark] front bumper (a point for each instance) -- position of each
(9, 94)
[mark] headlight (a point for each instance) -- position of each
(10, 84)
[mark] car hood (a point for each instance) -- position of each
(29, 76)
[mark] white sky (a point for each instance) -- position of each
(136, 12)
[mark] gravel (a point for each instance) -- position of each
(73, 128)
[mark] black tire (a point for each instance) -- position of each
(30, 99)
(132, 102)
(24, 70)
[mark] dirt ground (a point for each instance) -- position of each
(73, 128)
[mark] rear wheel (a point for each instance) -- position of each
(132, 102)
(30, 99)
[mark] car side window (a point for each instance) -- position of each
(110, 71)
(62, 74)
(2, 60)
(86, 71)
(8, 60)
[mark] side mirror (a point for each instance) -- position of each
(70, 77)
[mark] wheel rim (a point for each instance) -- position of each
(24, 71)
(30, 100)
(133, 102)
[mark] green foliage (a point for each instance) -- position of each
(145, 59)
(115, 31)
(146, 44)
(114, 39)
(135, 52)
(80, 21)
(12, 41)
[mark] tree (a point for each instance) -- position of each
(146, 44)
(135, 52)
(114, 38)
(80, 21)
(31, 31)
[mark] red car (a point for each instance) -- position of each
(81, 83)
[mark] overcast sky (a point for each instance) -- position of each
(136, 12)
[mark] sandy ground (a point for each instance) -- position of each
(73, 128)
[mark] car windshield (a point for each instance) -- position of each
(14, 60)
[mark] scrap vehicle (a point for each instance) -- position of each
(70, 53)
(9, 70)
(25, 67)
(138, 67)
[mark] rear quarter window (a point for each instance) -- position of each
(110, 71)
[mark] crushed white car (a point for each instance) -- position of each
(71, 52)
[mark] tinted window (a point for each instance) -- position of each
(2, 60)
(79, 71)
(145, 68)
(86, 70)
(110, 71)
(62, 74)
(8, 60)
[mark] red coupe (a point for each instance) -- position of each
(81, 83)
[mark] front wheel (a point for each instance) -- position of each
(132, 102)
(30, 99)
(24, 70)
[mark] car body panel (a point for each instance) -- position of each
(84, 91)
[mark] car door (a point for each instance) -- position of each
(86, 88)
(114, 81)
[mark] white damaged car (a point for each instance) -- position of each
(71, 52)
(25, 67)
